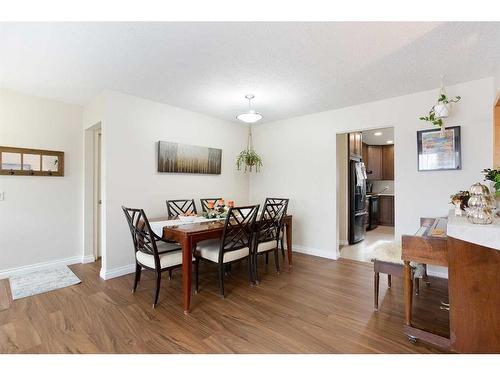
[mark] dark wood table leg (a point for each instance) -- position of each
(187, 260)
(408, 292)
(288, 226)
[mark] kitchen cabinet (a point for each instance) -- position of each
(374, 169)
(388, 162)
(364, 154)
(380, 162)
(386, 210)
(355, 144)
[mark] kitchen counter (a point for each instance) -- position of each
(487, 235)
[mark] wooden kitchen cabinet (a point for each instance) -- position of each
(364, 154)
(374, 168)
(355, 144)
(386, 210)
(380, 162)
(388, 162)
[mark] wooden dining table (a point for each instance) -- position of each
(189, 234)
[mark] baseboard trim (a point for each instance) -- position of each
(88, 259)
(343, 243)
(315, 252)
(43, 265)
(130, 268)
(116, 272)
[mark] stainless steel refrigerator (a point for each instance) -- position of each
(357, 201)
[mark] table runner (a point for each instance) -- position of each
(157, 226)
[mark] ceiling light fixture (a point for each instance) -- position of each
(377, 134)
(389, 142)
(251, 115)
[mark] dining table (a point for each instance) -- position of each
(188, 234)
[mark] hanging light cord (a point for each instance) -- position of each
(249, 139)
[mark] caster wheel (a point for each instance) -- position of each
(412, 339)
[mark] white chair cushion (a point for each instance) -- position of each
(264, 246)
(209, 249)
(388, 251)
(170, 259)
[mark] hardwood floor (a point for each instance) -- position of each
(322, 306)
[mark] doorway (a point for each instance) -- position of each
(94, 204)
(365, 191)
(97, 193)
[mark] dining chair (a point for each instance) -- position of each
(282, 229)
(235, 244)
(267, 234)
(150, 253)
(178, 207)
(204, 203)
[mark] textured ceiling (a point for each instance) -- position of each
(292, 68)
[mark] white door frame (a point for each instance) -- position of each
(94, 226)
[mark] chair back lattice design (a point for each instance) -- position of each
(277, 201)
(178, 207)
(204, 203)
(271, 221)
(143, 237)
(238, 229)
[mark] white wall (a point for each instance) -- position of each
(497, 85)
(299, 160)
(131, 128)
(41, 217)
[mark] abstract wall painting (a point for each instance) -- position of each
(181, 158)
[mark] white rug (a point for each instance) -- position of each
(42, 281)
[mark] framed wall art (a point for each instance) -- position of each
(439, 150)
(181, 158)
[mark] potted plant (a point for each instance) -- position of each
(441, 110)
(493, 175)
(248, 158)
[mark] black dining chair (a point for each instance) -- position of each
(204, 203)
(267, 234)
(178, 207)
(235, 244)
(282, 229)
(150, 253)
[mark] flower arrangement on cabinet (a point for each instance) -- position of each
(493, 175)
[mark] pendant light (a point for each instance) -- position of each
(250, 116)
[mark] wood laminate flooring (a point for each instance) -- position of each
(321, 306)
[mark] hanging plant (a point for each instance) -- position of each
(441, 109)
(248, 158)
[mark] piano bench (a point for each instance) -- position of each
(390, 269)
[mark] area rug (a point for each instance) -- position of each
(42, 281)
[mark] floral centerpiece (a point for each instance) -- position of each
(218, 209)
